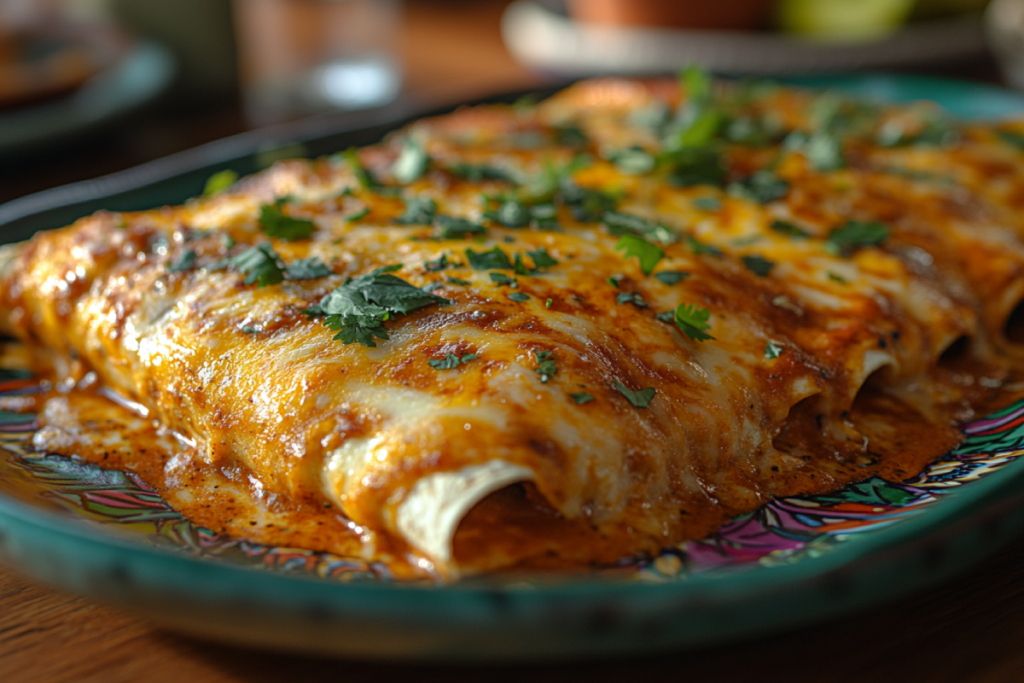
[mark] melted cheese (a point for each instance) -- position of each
(407, 451)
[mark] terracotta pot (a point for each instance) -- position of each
(711, 14)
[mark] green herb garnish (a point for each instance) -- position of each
(458, 228)
(546, 367)
(418, 211)
(412, 162)
(672, 277)
(451, 361)
(692, 321)
(708, 203)
(700, 248)
(855, 234)
(787, 228)
(772, 350)
(511, 214)
(762, 187)
(647, 253)
(631, 298)
(581, 397)
(476, 173)
(308, 269)
(275, 224)
(519, 297)
(436, 265)
(502, 279)
(758, 265)
(639, 399)
(184, 262)
(260, 264)
(492, 259)
(219, 182)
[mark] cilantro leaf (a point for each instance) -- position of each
(308, 269)
(633, 161)
(184, 262)
(276, 224)
(418, 211)
(581, 397)
(358, 308)
(855, 234)
(501, 279)
(541, 258)
(412, 162)
(364, 177)
(824, 151)
(476, 173)
(672, 277)
(692, 321)
(639, 399)
(1012, 138)
(492, 259)
(758, 265)
(647, 253)
(570, 136)
(546, 367)
(451, 361)
(260, 264)
(701, 248)
(625, 223)
(219, 182)
(708, 203)
(458, 228)
(762, 187)
(436, 265)
(586, 205)
(457, 281)
(837, 278)
(519, 297)
(787, 228)
(694, 166)
(511, 214)
(631, 298)
(772, 350)
(614, 280)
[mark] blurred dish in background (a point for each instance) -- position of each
(301, 57)
(1004, 23)
(142, 72)
(49, 59)
(548, 40)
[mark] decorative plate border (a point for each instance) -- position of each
(784, 531)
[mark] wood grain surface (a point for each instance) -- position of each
(969, 630)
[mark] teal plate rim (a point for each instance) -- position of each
(520, 618)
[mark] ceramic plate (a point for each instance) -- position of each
(109, 536)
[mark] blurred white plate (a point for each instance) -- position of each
(550, 42)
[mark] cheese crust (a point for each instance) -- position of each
(626, 331)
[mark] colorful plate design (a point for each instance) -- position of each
(108, 535)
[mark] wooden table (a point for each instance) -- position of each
(968, 630)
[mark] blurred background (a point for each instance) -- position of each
(89, 87)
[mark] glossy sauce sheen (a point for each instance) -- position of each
(260, 396)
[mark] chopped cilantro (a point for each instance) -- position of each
(855, 234)
(252, 329)
(625, 223)
(476, 173)
(632, 161)
(492, 259)
(837, 278)
(219, 182)
(519, 296)
(694, 166)
(547, 304)
(501, 279)
(308, 269)
(357, 309)
(541, 258)
(666, 316)
(639, 399)
(762, 187)
(451, 361)
(647, 253)
(708, 203)
(700, 248)
(412, 162)
(184, 262)
(614, 280)
(457, 281)
(458, 228)
(586, 205)
(418, 211)
(772, 350)
(631, 298)
(758, 265)
(275, 224)
(787, 228)
(519, 266)
(432, 286)
(511, 214)
(436, 265)
(546, 367)
(692, 321)
(570, 136)
(358, 215)
(226, 240)
(260, 264)
(824, 151)
(581, 397)
(366, 180)
(672, 277)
